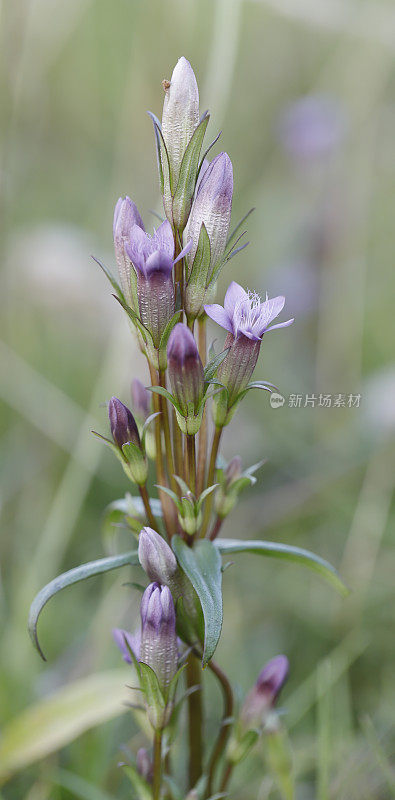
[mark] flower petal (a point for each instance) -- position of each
(269, 310)
(158, 261)
(280, 325)
(163, 239)
(184, 251)
(133, 640)
(219, 315)
(234, 294)
(139, 247)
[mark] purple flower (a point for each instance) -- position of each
(186, 376)
(133, 643)
(158, 633)
(212, 205)
(141, 399)
(263, 696)
(156, 557)
(122, 423)
(244, 313)
(153, 259)
(311, 127)
(126, 215)
(180, 115)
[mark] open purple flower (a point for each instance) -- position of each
(153, 259)
(246, 318)
(244, 313)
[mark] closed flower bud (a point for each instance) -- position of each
(144, 764)
(141, 399)
(180, 115)
(126, 215)
(126, 437)
(263, 696)
(186, 377)
(226, 498)
(212, 205)
(156, 557)
(158, 633)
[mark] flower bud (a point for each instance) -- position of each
(126, 215)
(186, 377)
(226, 498)
(263, 696)
(156, 557)
(122, 423)
(180, 115)
(126, 437)
(158, 633)
(212, 205)
(144, 764)
(141, 400)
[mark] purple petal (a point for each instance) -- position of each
(158, 262)
(280, 325)
(219, 315)
(269, 310)
(273, 676)
(234, 294)
(184, 252)
(139, 247)
(133, 640)
(163, 239)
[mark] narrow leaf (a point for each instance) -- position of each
(140, 786)
(288, 553)
(135, 319)
(202, 565)
(212, 366)
(188, 170)
(67, 579)
(115, 285)
(235, 231)
(201, 262)
(162, 391)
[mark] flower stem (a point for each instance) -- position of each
(202, 451)
(157, 765)
(160, 473)
(227, 721)
(191, 463)
(216, 528)
(210, 479)
(227, 775)
(195, 720)
(178, 449)
(150, 517)
(166, 430)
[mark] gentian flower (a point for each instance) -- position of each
(180, 116)
(127, 441)
(126, 215)
(156, 557)
(153, 259)
(156, 642)
(212, 208)
(263, 696)
(247, 319)
(186, 376)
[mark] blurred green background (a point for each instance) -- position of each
(77, 79)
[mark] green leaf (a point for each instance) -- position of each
(168, 329)
(212, 366)
(152, 691)
(201, 262)
(145, 427)
(205, 494)
(232, 236)
(140, 786)
(136, 320)
(183, 486)
(111, 445)
(115, 285)
(56, 720)
(288, 553)
(162, 391)
(188, 171)
(171, 494)
(206, 152)
(67, 579)
(163, 162)
(202, 565)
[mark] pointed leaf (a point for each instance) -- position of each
(162, 391)
(205, 494)
(115, 285)
(212, 366)
(233, 235)
(67, 579)
(201, 261)
(162, 154)
(288, 553)
(188, 171)
(140, 786)
(206, 152)
(145, 427)
(136, 320)
(202, 565)
(183, 486)
(171, 494)
(168, 329)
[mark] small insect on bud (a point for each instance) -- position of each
(126, 437)
(180, 115)
(126, 215)
(263, 696)
(156, 557)
(158, 633)
(186, 377)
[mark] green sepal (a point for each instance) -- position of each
(205, 494)
(115, 449)
(235, 230)
(156, 704)
(171, 494)
(212, 366)
(145, 333)
(140, 785)
(201, 264)
(115, 285)
(182, 198)
(168, 329)
(202, 565)
(240, 746)
(163, 161)
(136, 461)
(74, 575)
(206, 152)
(183, 485)
(165, 393)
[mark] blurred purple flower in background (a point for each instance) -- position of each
(311, 127)
(263, 696)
